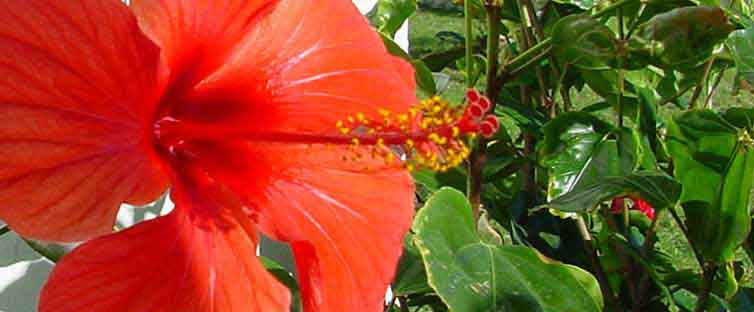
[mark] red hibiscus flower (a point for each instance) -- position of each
(235, 106)
(639, 204)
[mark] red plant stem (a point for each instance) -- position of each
(479, 153)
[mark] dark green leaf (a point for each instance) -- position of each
(684, 37)
(656, 188)
(583, 41)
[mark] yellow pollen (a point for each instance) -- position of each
(430, 135)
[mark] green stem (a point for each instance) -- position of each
(469, 43)
(635, 21)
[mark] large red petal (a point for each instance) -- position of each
(197, 35)
(345, 220)
(185, 261)
(77, 86)
(301, 68)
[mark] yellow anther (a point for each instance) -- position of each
(360, 117)
(339, 124)
(434, 137)
(355, 141)
(350, 119)
(403, 118)
(456, 132)
(345, 130)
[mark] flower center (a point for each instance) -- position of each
(431, 135)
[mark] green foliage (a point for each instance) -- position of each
(472, 275)
(598, 101)
(714, 161)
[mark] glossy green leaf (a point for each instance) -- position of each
(583, 41)
(714, 162)
(389, 15)
(684, 37)
(741, 46)
(470, 275)
(658, 189)
(578, 152)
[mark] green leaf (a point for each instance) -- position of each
(389, 15)
(658, 189)
(741, 46)
(424, 78)
(285, 277)
(579, 153)
(569, 147)
(470, 275)
(714, 162)
(684, 37)
(583, 41)
(280, 273)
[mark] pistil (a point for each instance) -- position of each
(430, 135)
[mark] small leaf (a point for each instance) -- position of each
(389, 15)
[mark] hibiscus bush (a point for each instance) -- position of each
(584, 132)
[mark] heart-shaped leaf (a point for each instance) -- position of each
(470, 275)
